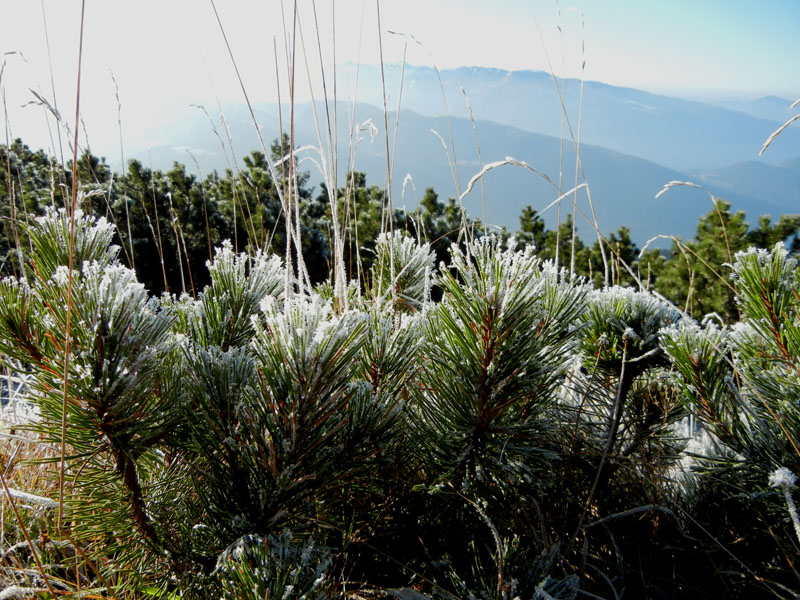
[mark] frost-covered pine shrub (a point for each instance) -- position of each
(497, 348)
(515, 439)
(742, 382)
(626, 401)
(402, 272)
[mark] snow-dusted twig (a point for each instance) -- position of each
(32, 498)
(786, 481)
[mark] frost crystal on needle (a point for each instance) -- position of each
(782, 478)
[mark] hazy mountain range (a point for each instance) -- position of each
(680, 134)
(632, 144)
(770, 108)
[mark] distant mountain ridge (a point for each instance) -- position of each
(771, 108)
(680, 134)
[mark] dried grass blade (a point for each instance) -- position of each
(70, 281)
(676, 183)
(778, 131)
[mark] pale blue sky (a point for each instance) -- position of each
(167, 54)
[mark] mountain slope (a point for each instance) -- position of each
(681, 134)
(771, 108)
(779, 186)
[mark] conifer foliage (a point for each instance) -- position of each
(520, 438)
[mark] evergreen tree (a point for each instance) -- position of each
(438, 223)
(30, 181)
(622, 253)
(560, 245)
(144, 200)
(622, 256)
(697, 276)
(361, 212)
(531, 229)
(767, 235)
